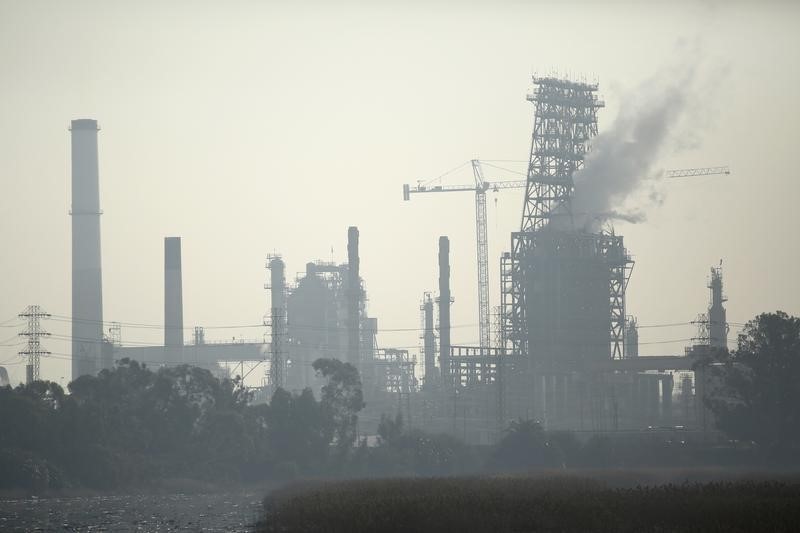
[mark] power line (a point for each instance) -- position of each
(440, 176)
(8, 361)
(65, 318)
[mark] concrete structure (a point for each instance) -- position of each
(173, 293)
(87, 286)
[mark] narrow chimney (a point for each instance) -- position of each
(87, 285)
(444, 308)
(353, 296)
(173, 293)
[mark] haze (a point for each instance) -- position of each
(248, 128)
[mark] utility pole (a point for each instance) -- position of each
(34, 332)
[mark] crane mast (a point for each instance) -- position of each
(482, 236)
(484, 319)
(692, 172)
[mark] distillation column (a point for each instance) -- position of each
(428, 341)
(717, 320)
(278, 319)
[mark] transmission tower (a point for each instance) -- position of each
(34, 332)
(276, 368)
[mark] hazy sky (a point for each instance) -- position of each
(251, 127)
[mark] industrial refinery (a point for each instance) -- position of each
(561, 348)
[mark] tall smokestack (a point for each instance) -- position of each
(444, 307)
(353, 296)
(87, 284)
(173, 293)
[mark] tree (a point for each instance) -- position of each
(342, 398)
(755, 389)
(403, 451)
(390, 429)
(298, 429)
(524, 446)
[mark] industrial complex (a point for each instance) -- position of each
(563, 348)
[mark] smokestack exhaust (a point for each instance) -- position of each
(444, 308)
(87, 284)
(173, 293)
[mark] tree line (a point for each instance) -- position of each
(132, 425)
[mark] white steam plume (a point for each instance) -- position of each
(623, 156)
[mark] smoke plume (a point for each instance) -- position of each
(622, 160)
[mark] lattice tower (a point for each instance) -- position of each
(34, 333)
(565, 119)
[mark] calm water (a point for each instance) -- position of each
(174, 512)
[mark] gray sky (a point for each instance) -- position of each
(254, 127)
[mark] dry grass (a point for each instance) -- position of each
(532, 503)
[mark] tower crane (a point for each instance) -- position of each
(692, 172)
(479, 188)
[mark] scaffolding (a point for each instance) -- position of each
(395, 376)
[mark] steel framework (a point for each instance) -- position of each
(565, 119)
(693, 172)
(34, 333)
(519, 266)
(482, 254)
(395, 374)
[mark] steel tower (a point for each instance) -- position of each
(34, 332)
(565, 119)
